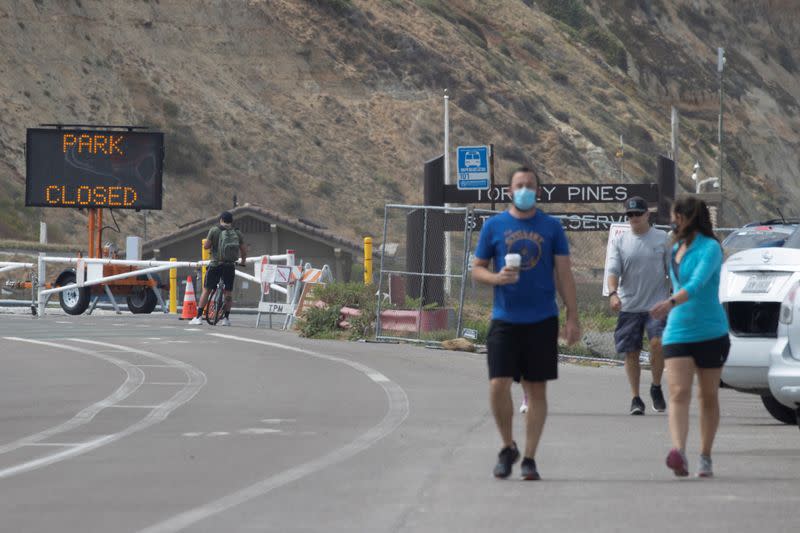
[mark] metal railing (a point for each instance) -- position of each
(148, 267)
(414, 305)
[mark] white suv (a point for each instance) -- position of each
(784, 370)
(753, 284)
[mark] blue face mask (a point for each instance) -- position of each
(524, 199)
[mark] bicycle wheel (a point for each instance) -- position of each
(215, 307)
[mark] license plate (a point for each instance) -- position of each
(758, 284)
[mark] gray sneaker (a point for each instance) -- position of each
(705, 470)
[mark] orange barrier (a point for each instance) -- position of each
(189, 301)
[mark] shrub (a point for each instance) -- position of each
(352, 294)
(786, 60)
(570, 12)
(559, 77)
(319, 322)
(341, 7)
(563, 116)
(611, 48)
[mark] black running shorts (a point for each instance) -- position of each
(529, 351)
(226, 271)
(706, 354)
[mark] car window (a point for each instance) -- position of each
(759, 237)
(794, 239)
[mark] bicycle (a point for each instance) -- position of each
(215, 307)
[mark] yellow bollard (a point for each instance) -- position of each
(173, 288)
(367, 260)
(206, 255)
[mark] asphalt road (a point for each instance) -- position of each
(136, 423)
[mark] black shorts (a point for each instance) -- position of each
(529, 351)
(227, 271)
(706, 354)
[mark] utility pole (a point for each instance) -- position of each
(675, 122)
(447, 264)
(720, 67)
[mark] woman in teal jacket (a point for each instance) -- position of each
(696, 337)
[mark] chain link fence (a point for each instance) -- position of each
(427, 294)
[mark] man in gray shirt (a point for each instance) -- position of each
(638, 266)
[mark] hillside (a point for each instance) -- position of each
(326, 109)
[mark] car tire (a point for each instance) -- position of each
(73, 301)
(779, 412)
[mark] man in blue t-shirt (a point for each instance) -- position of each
(523, 338)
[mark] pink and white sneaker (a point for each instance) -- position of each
(676, 460)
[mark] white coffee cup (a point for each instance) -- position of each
(513, 260)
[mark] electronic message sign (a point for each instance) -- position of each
(94, 168)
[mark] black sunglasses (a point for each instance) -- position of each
(635, 214)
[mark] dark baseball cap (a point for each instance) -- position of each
(226, 217)
(635, 204)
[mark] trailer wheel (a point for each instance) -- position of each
(73, 301)
(142, 301)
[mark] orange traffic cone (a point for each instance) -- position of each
(189, 302)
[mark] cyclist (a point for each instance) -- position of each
(227, 246)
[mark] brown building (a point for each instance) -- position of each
(265, 232)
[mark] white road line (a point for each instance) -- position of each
(196, 380)
(54, 458)
(258, 431)
(217, 434)
(377, 377)
(397, 412)
(135, 406)
(61, 444)
(277, 420)
(134, 378)
(193, 434)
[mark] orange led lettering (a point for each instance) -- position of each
(84, 141)
(112, 144)
(99, 144)
(113, 197)
(67, 141)
(88, 196)
(99, 196)
(80, 199)
(64, 197)
(129, 197)
(47, 191)
(93, 144)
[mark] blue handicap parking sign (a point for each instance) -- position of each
(473, 167)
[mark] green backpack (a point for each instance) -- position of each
(229, 245)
